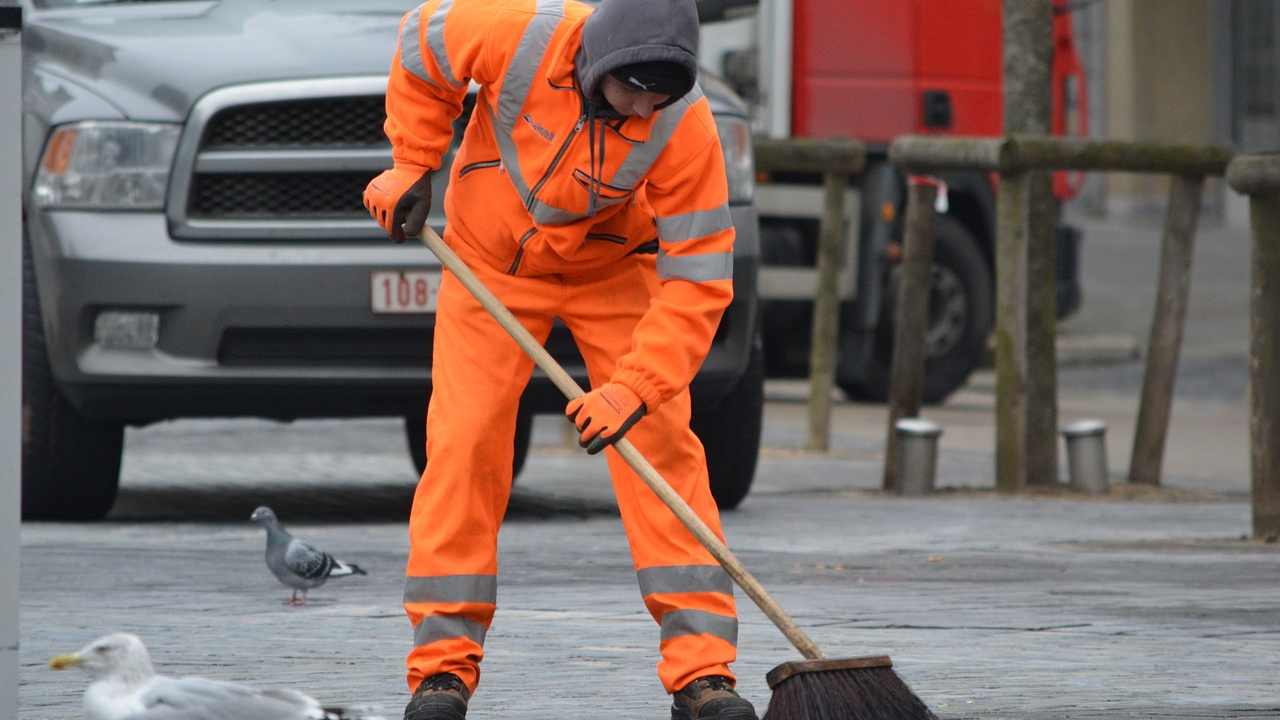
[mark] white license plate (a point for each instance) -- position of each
(404, 292)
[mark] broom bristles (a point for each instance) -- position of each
(857, 694)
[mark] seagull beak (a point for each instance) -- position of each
(62, 662)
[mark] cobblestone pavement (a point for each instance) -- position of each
(1136, 605)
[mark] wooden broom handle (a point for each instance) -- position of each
(655, 481)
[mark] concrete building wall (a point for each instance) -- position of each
(1158, 84)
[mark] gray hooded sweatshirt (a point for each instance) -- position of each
(625, 32)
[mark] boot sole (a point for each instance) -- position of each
(679, 713)
(437, 710)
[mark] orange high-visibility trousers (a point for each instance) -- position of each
(478, 374)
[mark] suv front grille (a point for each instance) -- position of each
(273, 195)
(282, 160)
(322, 122)
(285, 161)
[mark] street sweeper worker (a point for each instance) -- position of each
(590, 187)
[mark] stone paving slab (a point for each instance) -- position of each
(992, 607)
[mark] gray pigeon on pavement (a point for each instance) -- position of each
(295, 563)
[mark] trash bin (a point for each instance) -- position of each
(917, 455)
(1087, 456)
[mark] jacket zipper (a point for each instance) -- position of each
(515, 262)
(528, 203)
(478, 166)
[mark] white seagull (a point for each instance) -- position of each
(125, 687)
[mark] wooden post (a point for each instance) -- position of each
(1042, 332)
(906, 387)
(1264, 363)
(1028, 55)
(1166, 330)
(1259, 176)
(826, 311)
(1011, 332)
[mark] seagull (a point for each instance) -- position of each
(295, 563)
(126, 687)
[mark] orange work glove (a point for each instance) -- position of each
(399, 200)
(604, 415)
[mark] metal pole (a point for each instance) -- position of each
(1149, 437)
(906, 387)
(10, 347)
(826, 312)
(1264, 363)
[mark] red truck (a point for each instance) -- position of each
(873, 70)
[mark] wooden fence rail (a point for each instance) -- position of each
(1016, 158)
(836, 161)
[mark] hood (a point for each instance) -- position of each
(623, 32)
(153, 61)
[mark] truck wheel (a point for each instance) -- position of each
(730, 434)
(70, 464)
(961, 306)
(415, 429)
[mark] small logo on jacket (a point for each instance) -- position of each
(545, 133)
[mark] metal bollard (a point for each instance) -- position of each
(1087, 456)
(917, 455)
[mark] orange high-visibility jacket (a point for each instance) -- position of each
(544, 184)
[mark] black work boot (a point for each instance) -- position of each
(710, 698)
(442, 696)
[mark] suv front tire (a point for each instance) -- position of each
(70, 464)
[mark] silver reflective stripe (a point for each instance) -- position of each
(695, 268)
(510, 158)
(684, 579)
(452, 588)
(545, 214)
(642, 157)
(678, 623)
(678, 228)
(411, 49)
(435, 41)
(444, 627)
(518, 80)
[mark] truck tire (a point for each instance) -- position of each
(961, 309)
(415, 429)
(70, 464)
(730, 434)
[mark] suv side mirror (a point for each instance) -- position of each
(710, 11)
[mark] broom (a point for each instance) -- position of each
(817, 688)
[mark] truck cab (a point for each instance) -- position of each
(873, 70)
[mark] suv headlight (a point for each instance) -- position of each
(739, 162)
(106, 166)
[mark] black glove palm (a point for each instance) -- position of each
(412, 209)
(399, 200)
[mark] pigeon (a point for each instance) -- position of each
(125, 687)
(295, 563)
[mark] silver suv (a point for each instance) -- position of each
(195, 243)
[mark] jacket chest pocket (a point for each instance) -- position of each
(603, 190)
